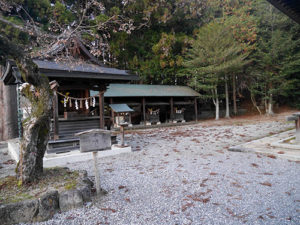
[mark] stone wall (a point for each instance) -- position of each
(46, 206)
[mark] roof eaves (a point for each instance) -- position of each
(290, 8)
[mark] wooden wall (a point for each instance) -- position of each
(8, 112)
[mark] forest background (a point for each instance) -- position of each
(232, 50)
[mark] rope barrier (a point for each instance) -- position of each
(78, 99)
(89, 101)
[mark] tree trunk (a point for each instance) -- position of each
(227, 115)
(37, 126)
(266, 105)
(217, 108)
(216, 102)
(270, 106)
(254, 103)
(234, 95)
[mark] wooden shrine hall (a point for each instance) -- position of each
(155, 103)
(74, 110)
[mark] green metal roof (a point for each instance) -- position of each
(141, 90)
(120, 108)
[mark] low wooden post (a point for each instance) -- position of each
(97, 176)
(93, 141)
(144, 109)
(172, 108)
(196, 109)
(101, 109)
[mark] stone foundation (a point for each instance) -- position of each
(46, 206)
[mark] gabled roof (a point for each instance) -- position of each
(140, 90)
(120, 108)
(82, 70)
(89, 68)
(289, 7)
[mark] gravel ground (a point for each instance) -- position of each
(7, 165)
(185, 175)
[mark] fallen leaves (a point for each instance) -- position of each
(266, 173)
(266, 184)
(272, 156)
(197, 198)
(196, 140)
(202, 184)
(185, 182)
(9, 162)
(186, 206)
(70, 218)
(109, 209)
(235, 184)
(173, 213)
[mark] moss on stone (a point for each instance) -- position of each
(56, 178)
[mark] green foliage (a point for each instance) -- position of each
(157, 49)
(114, 11)
(276, 69)
(214, 53)
(62, 15)
(101, 18)
(39, 10)
(11, 41)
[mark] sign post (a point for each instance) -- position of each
(93, 141)
(122, 126)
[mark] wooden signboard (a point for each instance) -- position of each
(94, 140)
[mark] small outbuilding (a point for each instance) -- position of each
(121, 113)
(155, 103)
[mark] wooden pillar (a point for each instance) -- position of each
(101, 109)
(144, 109)
(129, 118)
(111, 111)
(196, 109)
(172, 108)
(55, 116)
(8, 112)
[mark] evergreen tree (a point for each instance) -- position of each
(276, 60)
(213, 55)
